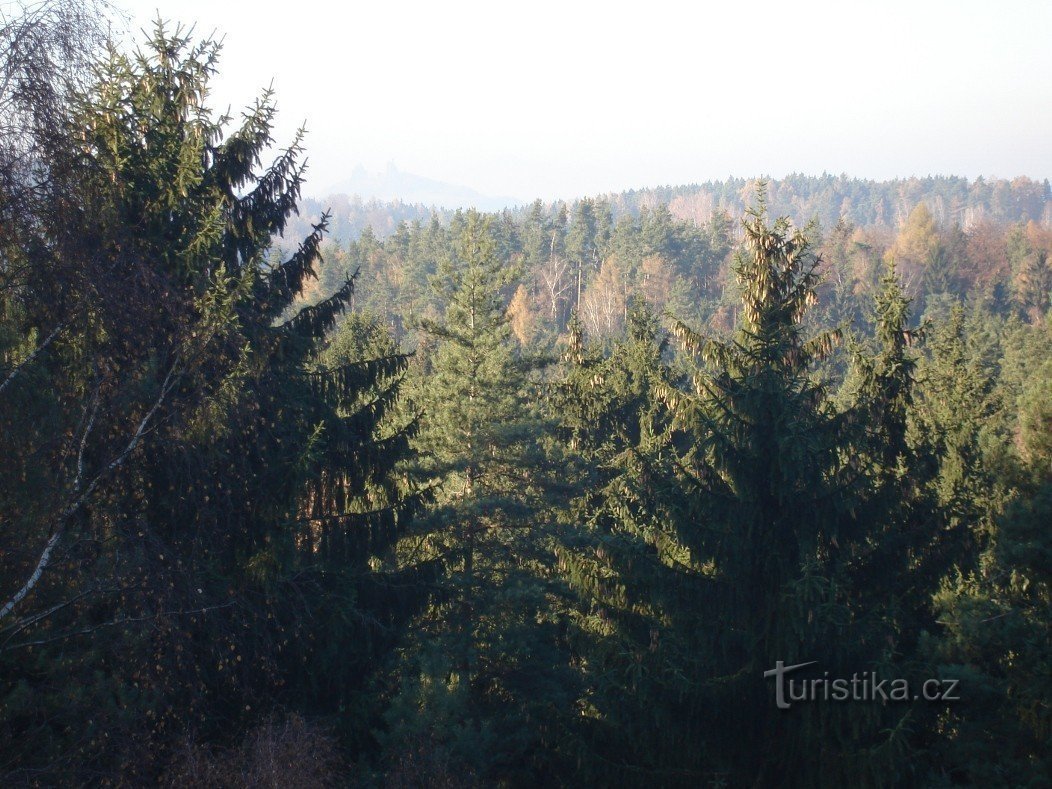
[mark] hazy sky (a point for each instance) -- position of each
(560, 99)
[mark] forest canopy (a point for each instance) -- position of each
(576, 493)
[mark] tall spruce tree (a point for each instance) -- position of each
(231, 492)
(994, 630)
(611, 553)
(728, 543)
(484, 684)
(477, 390)
(897, 458)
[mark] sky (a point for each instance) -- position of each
(565, 99)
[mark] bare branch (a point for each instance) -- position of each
(45, 558)
(84, 440)
(116, 622)
(29, 359)
(17, 627)
(81, 497)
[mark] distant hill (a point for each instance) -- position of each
(952, 200)
(393, 184)
(350, 215)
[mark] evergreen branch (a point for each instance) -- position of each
(315, 320)
(286, 280)
(348, 378)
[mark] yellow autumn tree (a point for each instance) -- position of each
(522, 317)
(916, 245)
(918, 239)
(657, 281)
(603, 303)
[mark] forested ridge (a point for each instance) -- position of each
(306, 494)
(591, 258)
(827, 198)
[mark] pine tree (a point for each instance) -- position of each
(611, 553)
(897, 459)
(957, 410)
(477, 387)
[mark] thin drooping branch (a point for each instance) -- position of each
(81, 496)
(13, 629)
(118, 622)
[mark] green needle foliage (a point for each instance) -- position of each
(484, 681)
(733, 529)
(206, 499)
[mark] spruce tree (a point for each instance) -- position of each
(233, 490)
(993, 607)
(477, 390)
(896, 459)
(727, 543)
(612, 554)
(483, 683)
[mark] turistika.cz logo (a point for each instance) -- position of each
(864, 686)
